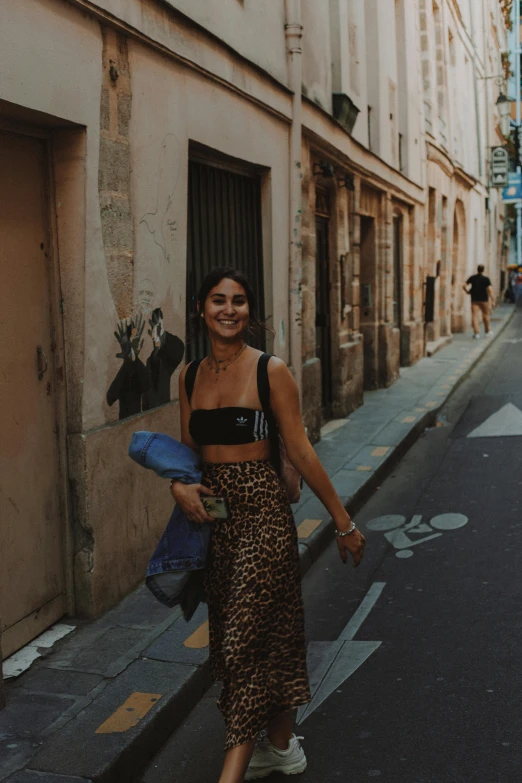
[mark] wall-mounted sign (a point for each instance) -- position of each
(513, 191)
(499, 167)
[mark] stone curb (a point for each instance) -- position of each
(133, 751)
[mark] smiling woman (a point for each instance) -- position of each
(252, 579)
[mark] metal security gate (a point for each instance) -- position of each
(224, 229)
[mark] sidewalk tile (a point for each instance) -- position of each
(78, 750)
(169, 646)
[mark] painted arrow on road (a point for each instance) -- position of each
(331, 663)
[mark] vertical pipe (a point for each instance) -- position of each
(475, 86)
(293, 36)
(516, 25)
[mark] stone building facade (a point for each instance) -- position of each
(334, 149)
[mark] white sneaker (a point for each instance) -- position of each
(266, 759)
(476, 336)
(490, 333)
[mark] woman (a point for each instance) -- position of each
(257, 642)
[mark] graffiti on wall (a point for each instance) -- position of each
(140, 386)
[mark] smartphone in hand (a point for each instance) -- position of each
(215, 507)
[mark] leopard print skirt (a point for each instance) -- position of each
(253, 587)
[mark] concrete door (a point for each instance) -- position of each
(32, 584)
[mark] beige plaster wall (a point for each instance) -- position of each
(121, 509)
(317, 56)
(173, 107)
(253, 23)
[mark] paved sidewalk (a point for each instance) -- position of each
(104, 699)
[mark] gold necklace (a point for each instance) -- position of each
(217, 364)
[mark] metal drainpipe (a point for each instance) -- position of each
(475, 86)
(293, 35)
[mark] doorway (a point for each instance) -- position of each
(323, 330)
(397, 271)
(32, 574)
(369, 310)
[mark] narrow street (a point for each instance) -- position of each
(438, 700)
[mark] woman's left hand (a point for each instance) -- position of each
(354, 545)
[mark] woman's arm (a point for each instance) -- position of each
(189, 495)
(284, 401)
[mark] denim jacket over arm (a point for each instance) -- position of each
(184, 545)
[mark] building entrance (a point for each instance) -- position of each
(323, 331)
(32, 579)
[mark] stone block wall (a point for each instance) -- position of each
(115, 170)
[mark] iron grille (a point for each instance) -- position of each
(224, 229)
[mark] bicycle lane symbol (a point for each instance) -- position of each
(398, 531)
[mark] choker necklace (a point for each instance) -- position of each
(219, 365)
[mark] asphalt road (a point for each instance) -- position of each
(439, 700)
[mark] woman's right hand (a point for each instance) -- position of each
(188, 497)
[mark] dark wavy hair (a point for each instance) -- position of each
(256, 327)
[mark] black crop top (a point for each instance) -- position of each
(232, 426)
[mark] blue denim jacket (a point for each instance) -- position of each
(183, 546)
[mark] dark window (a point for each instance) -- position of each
(224, 229)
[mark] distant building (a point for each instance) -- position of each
(337, 151)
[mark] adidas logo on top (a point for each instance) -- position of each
(241, 421)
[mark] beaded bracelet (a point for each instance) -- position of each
(346, 532)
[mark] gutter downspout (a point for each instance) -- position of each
(293, 36)
(475, 89)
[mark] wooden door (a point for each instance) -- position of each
(32, 582)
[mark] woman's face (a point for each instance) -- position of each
(226, 310)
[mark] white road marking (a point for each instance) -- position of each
(504, 423)
(449, 521)
(398, 532)
(331, 663)
(387, 522)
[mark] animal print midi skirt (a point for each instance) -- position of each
(253, 587)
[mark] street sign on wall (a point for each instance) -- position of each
(513, 191)
(499, 167)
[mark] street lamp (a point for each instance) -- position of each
(504, 109)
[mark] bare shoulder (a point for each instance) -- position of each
(278, 372)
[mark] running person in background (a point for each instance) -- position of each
(482, 300)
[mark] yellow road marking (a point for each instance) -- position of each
(446, 387)
(452, 377)
(419, 410)
(430, 405)
(409, 419)
(130, 713)
(199, 638)
(366, 468)
(307, 527)
(380, 451)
